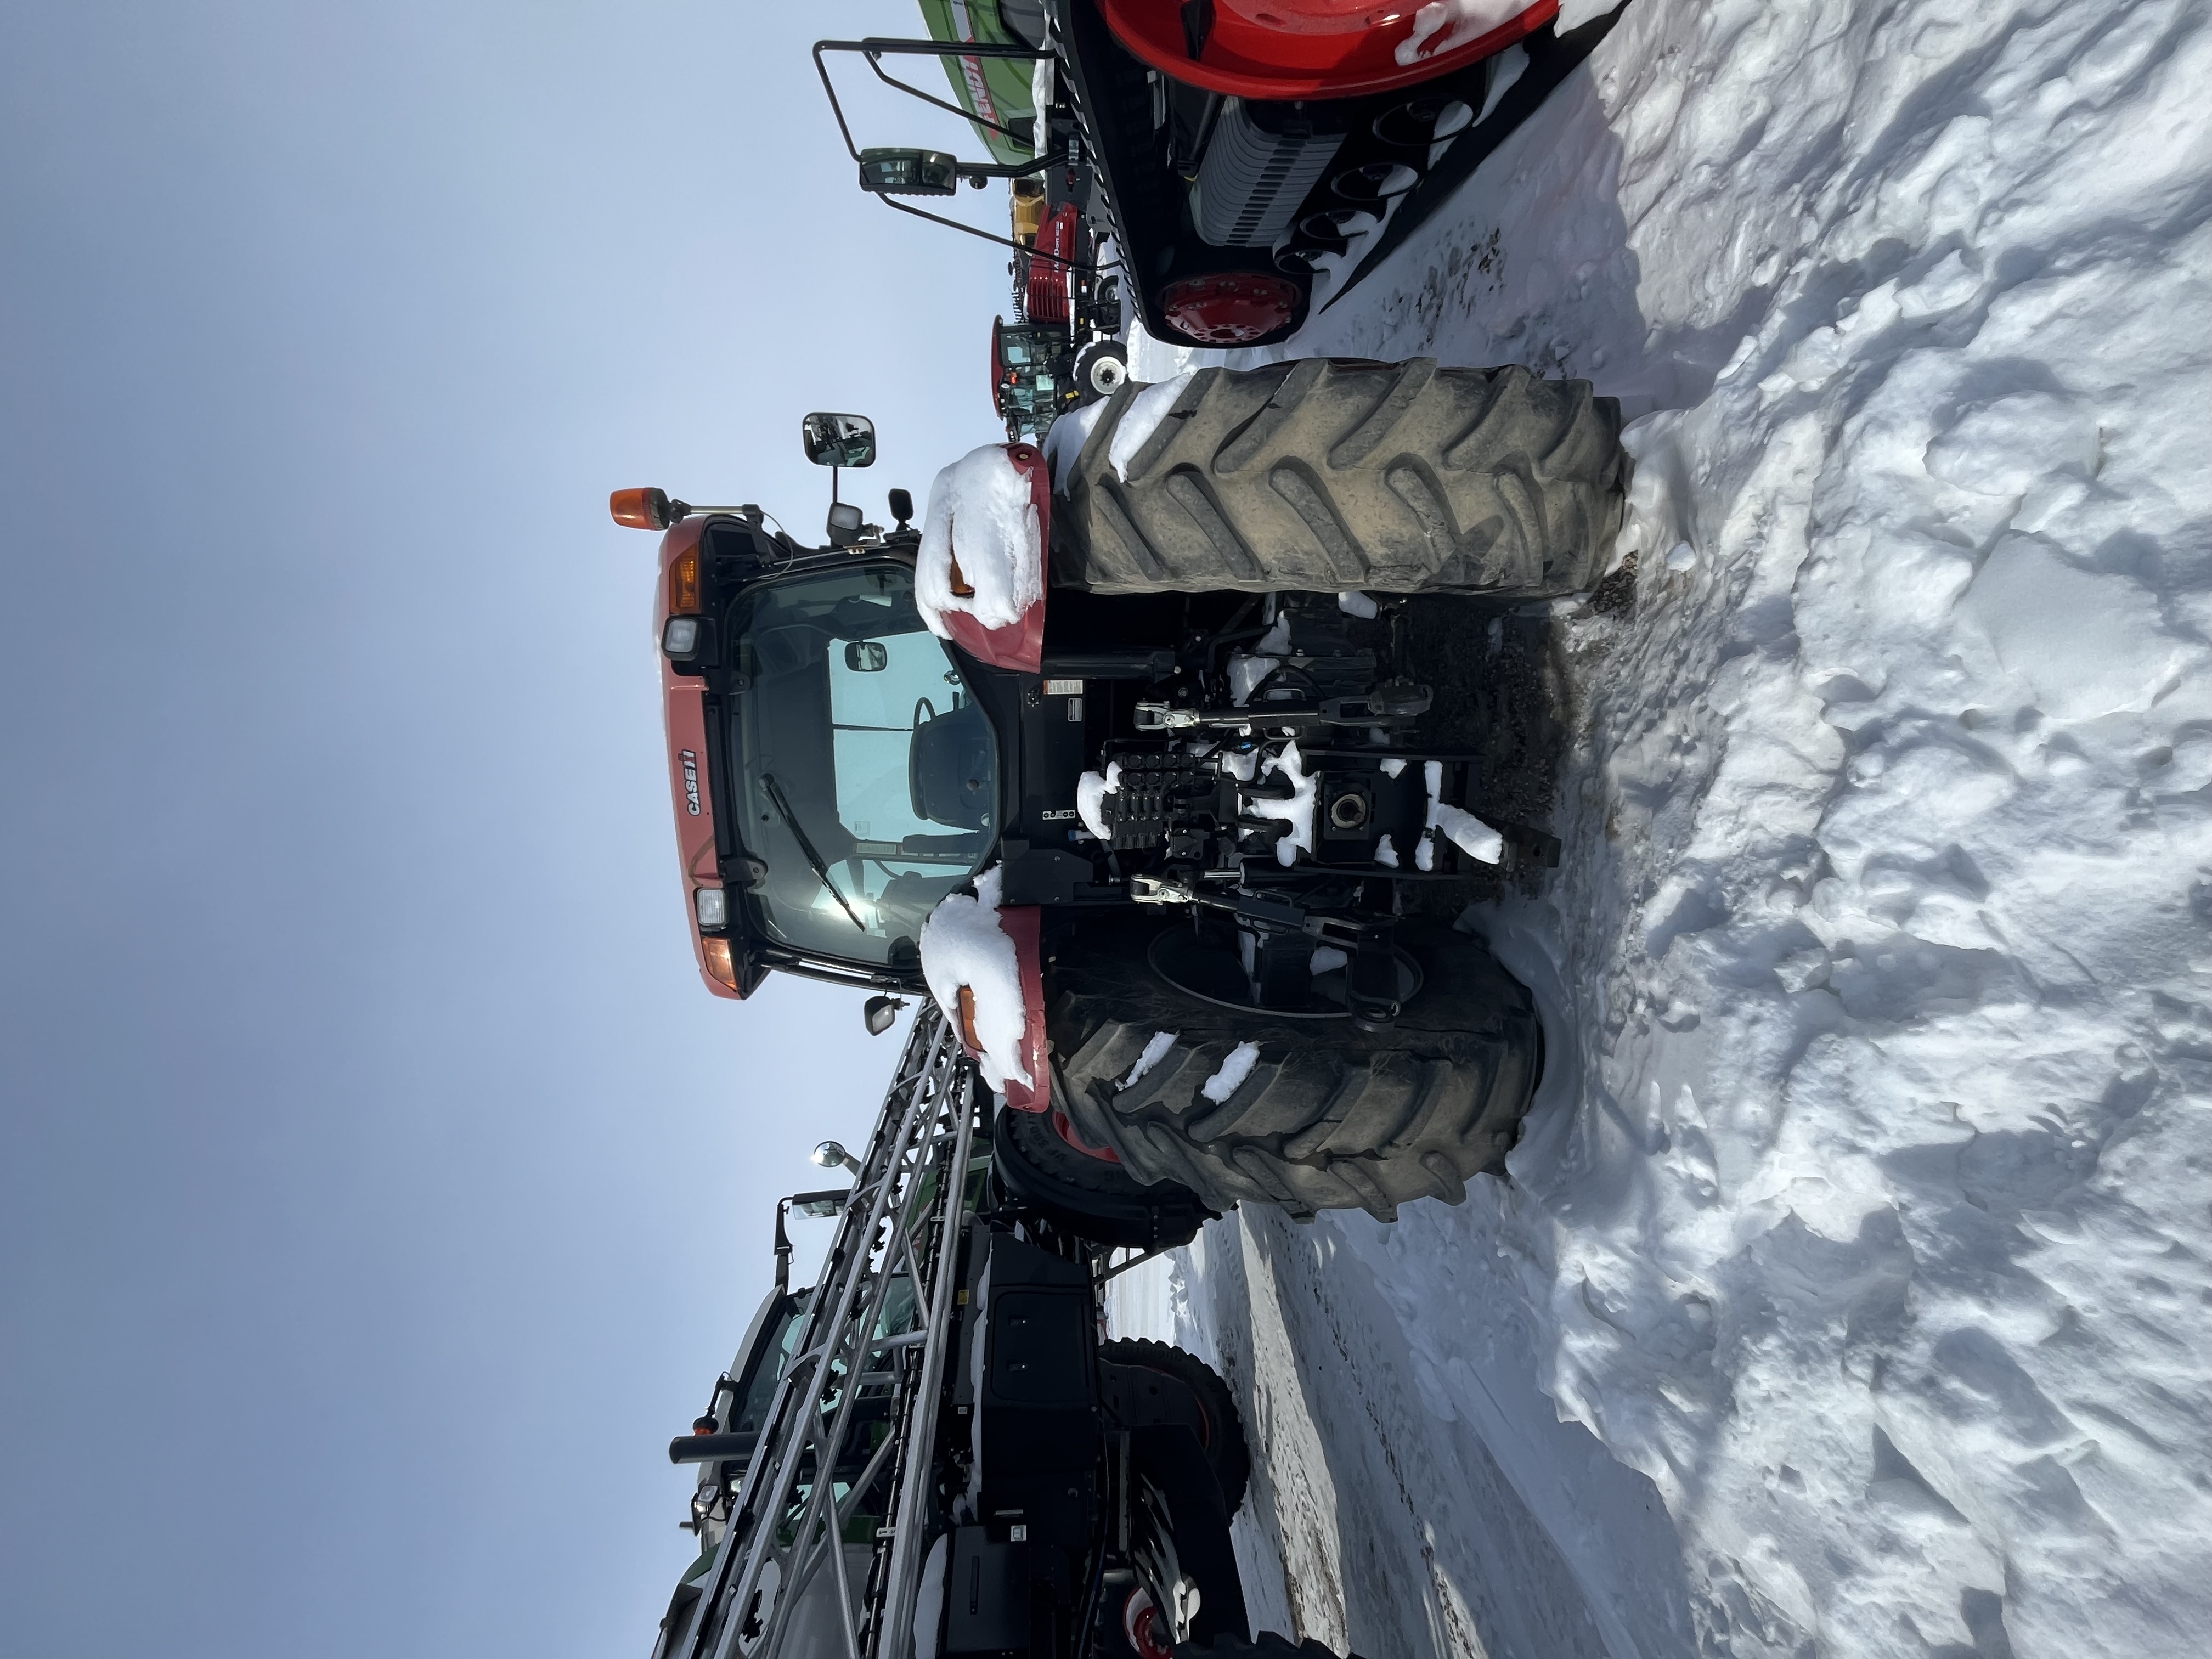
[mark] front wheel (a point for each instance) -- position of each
(1093, 1199)
(1241, 1104)
(1266, 1645)
(1220, 1428)
(1100, 371)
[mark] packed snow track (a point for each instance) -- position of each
(1849, 1294)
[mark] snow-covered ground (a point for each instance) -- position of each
(1865, 1219)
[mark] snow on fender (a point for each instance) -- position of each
(979, 572)
(986, 971)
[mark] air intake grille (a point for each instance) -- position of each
(1252, 180)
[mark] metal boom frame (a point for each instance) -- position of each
(894, 1227)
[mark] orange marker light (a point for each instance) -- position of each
(720, 961)
(684, 586)
(641, 509)
(968, 1021)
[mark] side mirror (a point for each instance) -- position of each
(867, 656)
(881, 1014)
(902, 507)
(839, 440)
(909, 172)
(845, 525)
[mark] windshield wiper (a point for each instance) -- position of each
(813, 859)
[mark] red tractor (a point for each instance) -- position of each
(1145, 731)
(1226, 148)
(1060, 353)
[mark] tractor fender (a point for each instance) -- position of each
(1018, 646)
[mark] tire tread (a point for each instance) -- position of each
(1326, 474)
(1329, 1117)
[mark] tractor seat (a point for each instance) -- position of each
(949, 770)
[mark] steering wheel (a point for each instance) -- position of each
(920, 704)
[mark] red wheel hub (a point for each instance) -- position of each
(1233, 309)
(1317, 48)
(1141, 1623)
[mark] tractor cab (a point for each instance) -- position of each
(1032, 376)
(832, 774)
(859, 771)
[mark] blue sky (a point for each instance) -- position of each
(379, 1188)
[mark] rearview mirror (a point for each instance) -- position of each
(839, 440)
(909, 171)
(867, 656)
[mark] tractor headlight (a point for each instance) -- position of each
(711, 905)
(679, 637)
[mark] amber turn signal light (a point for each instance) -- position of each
(962, 587)
(641, 509)
(683, 585)
(721, 963)
(968, 1021)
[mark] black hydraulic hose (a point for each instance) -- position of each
(814, 859)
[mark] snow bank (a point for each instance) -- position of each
(1356, 603)
(1298, 812)
(1141, 419)
(1868, 1218)
(981, 518)
(964, 948)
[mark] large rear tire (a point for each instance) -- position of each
(1325, 475)
(1328, 1116)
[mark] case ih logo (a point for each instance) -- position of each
(690, 782)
